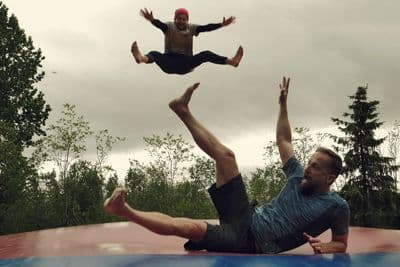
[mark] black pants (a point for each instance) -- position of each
(174, 63)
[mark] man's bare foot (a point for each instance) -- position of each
(139, 58)
(180, 104)
(116, 202)
(237, 58)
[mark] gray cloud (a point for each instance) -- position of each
(327, 47)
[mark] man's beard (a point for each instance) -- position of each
(307, 188)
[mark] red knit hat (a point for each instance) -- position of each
(181, 11)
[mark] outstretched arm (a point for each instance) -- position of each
(214, 26)
(148, 15)
(283, 131)
(337, 245)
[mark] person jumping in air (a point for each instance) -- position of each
(178, 56)
(304, 208)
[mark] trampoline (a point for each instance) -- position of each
(127, 244)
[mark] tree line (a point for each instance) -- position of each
(175, 180)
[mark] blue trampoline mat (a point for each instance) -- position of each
(334, 260)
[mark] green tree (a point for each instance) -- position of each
(159, 190)
(23, 112)
(190, 200)
(54, 201)
(369, 187)
(169, 154)
(393, 144)
(29, 212)
(192, 195)
(22, 106)
(111, 184)
(15, 172)
(136, 182)
(265, 183)
(104, 144)
(83, 190)
(77, 196)
(305, 143)
(174, 181)
(202, 172)
(65, 141)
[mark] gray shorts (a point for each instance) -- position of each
(234, 211)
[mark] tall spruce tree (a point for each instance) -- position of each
(22, 106)
(370, 187)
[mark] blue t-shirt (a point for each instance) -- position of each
(279, 225)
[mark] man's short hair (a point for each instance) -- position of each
(336, 163)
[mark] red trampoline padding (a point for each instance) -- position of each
(126, 238)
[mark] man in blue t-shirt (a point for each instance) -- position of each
(303, 209)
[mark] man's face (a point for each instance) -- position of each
(181, 22)
(317, 177)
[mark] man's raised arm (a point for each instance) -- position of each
(213, 26)
(283, 131)
(148, 15)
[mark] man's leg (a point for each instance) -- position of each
(226, 165)
(154, 221)
(208, 56)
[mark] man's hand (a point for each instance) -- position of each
(226, 22)
(284, 86)
(147, 14)
(315, 243)
(335, 246)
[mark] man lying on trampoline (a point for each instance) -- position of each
(178, 56)
(303, 209)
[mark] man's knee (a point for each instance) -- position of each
(205, 52)
(189, 228)
(153, 56)
(226, 153)
(204, 55)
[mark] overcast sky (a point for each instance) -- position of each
(328, 48)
